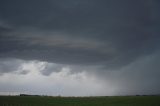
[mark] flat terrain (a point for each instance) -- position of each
(80, 101)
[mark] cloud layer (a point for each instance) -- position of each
(117, 41)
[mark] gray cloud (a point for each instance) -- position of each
(9, 65)
(108, 38)
(109, 33)
(50, 68)
(141, 77)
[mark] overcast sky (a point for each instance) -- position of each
(80, 47)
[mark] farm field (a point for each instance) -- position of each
(80, 101)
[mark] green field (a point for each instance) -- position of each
(79, 101)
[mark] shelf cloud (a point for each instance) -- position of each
(115, 41)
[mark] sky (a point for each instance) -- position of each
(80, 47)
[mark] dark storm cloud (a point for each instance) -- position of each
(7, 65)
(115, 40)
(140, 77)
(110, 33)
(50, 67)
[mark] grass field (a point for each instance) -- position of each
(79, 101)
